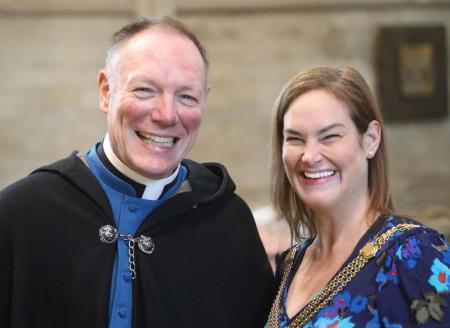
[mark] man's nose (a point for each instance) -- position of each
(164, 111)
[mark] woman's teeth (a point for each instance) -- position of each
(318, 175)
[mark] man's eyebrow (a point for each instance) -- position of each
(330, 127)
(146, 79)
(189, 88)
(137, 79)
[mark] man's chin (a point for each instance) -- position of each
(159, 172)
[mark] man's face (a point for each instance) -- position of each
(153, 94)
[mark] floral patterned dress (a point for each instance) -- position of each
(406, 284)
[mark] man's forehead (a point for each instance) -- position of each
(165, 45)
(161, 44)
(158, 38)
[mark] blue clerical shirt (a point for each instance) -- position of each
(129, 212)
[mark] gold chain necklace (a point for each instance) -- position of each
(336, 284)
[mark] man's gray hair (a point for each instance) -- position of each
(131, 29)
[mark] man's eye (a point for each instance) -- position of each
(143, 92)
(188, 100)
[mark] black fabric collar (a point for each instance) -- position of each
(138, 187)
(208, 181)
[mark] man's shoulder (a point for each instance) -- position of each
(212, 184)
(209, 181)
(206, 170)
(39, 180)
(70, 163)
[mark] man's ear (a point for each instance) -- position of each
(372, 139)
(206, 95)
(104, 91)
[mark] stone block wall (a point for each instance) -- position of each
(51, 52)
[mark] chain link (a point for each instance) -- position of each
(336, 284)
(131, 258)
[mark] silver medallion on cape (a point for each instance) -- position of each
(145, 244)
(108, 234)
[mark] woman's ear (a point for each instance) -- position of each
(104, 91)
(372, 139)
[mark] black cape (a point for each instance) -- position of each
(209, 268)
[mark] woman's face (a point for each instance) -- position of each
(324, 156)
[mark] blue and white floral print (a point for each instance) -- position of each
(407, 284)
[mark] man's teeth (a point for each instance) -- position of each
(157, 140)
(318, 175)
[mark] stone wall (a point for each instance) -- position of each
(51, 52)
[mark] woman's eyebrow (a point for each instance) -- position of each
(291, 132)
(330, 127)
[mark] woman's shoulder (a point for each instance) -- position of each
(415, 263)
(400, 229)
(409, 238)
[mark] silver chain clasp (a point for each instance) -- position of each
(108, 235)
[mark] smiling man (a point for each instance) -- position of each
(132, 234)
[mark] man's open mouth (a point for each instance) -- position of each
(157, 140)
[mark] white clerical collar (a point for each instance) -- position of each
(153, 187)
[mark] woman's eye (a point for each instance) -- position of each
(330, 137)
(291, 139)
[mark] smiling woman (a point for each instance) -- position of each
(324, 156)
(345, 95)
(358, 258)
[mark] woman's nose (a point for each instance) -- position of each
(311, 153)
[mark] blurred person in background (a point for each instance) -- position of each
(274, 232)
